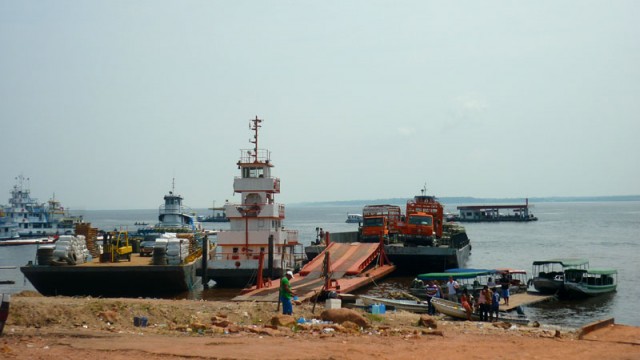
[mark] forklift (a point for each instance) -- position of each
(118, 247)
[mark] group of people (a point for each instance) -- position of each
(488, 301)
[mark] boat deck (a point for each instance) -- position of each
(521, 299)
(136, 260)
(348, 264)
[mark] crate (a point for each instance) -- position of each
(333, 304)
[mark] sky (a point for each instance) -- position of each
(106, 103)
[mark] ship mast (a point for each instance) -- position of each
(255, 125)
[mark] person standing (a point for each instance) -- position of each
(452, 290)
(495, 304)
(286, 294)
(465, 300)
(432, 291)
(504, 282)
(484, 303)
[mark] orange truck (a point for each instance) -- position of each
(423, 223)
(380, 221)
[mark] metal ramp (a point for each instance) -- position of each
(347, 263)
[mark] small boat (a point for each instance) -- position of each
(354, 218)
(581, 283)
(548, 275)
(420, 307)
(456, 310)
(471, 279)
(519, 281)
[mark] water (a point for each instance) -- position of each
(606, 233)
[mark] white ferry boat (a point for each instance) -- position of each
(256, 240)
(354, 218)
(34, 219)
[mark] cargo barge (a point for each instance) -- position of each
(420, 240)
(86, 265)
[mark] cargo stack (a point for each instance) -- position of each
(91, 237)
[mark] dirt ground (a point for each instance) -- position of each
(91, 328)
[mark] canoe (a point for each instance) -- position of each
(420, 307)
(456, 310)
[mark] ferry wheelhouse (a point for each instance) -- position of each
(256, 240)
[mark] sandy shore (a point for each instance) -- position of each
(81, 328)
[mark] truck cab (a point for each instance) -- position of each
(418, 230)
(379, 221)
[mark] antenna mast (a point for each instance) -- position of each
(255, 125)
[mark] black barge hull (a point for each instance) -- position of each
(112, 281)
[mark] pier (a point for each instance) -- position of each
(340, 267)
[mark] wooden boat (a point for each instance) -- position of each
(420, 307)
(456, 310)
(548, 275)
(470, 279)
(580, 283)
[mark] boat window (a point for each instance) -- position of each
(252, 172)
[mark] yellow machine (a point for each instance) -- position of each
(119, 247)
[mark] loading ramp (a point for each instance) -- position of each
(350, 266)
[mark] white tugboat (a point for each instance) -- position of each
(256, 241)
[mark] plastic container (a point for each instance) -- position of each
(140, 321)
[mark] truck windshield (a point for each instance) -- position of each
(372, 222)
(420, 220)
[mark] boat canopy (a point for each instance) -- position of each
(510, 271)
(602, 271)
(456, 275)
(568, 262)
(461, 270)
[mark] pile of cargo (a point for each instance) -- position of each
(170, 250)
(68, 249)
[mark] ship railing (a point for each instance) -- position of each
(293, 254)
(249, 156)
(177, 210)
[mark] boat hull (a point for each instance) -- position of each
(406, 305)
(456, 310)
(547, 286)
(419, 259)
(112, 281)
(581, 291)
(238, 278)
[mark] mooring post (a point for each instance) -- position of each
(205, 258)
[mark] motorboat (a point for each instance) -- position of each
(354, 218)
(548, 275)
(581, 283)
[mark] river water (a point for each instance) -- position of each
(606, 233)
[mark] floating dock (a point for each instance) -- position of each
(491, 213)
(351, 266)
(522, 299)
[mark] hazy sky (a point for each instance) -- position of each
(105, 102)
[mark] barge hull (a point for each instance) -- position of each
(112, 281)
